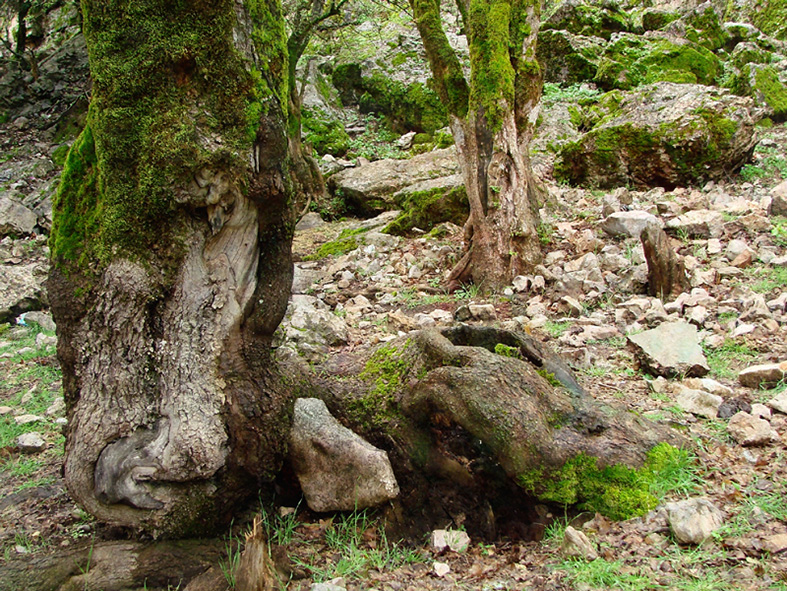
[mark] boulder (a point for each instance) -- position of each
(337, 469)
(371, 188)
(779, 402)
(672, 349)
(567, 58)
(699, 223)
(693, 520)
(587, 18)
(427, 203)
(21, 289)
(660, 135)
(697, 402)
(15, 218)
(779, 199)
(30, 443)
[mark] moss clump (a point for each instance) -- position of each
(348, 240)
(506, 351)
(771, 18)
(653, 20)
(59, 155)
(426, 209)
(705, 28)
(385, 370)
(326, 135)
(619, 492)
(632, 61)
(772, 90)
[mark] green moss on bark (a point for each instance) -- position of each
(617, 491)
(171, 95)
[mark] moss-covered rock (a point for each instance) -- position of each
(567, 58)
(407, 107)
(770, 16)
(429, 203)
(631, 60)
(581, 17)
(704, 26)
(749, 53)
(324, 133)
(654, 19)
(660, 135)
(763, 84)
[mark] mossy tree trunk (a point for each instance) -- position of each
(492, 119)
(171, 262)
(305, 17)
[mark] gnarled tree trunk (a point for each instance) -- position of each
(492, 117)
(171, 262)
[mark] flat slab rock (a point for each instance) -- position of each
(672, 349)
(766, 375)
(749, 430)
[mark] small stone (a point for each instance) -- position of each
(760, 411)
(483, 312)
(26, 419)
(693, 520)
(577, 545)
(749, 430)
(6, 410)
(766, 375)
(329, 586)
(441, 569)
(30, 443)
(628, 223)
(775, 543)
(572, 306)
(457, 541)
(700, 403)
(779, 402)
(57, 407)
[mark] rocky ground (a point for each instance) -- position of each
(356, 287)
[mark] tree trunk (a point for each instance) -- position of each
(666, 274)
(171, 263)
(492, 119)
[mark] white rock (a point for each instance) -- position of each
(441, 569)
(628, 223)
(484, 312)
(693, 520)
(779, 402)
(760, 411)
(27, 418)
(767, 374)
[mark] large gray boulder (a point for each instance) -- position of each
(337, 469)
(660, 135)
(310, 327)
(567, 58)
(371, 188)
(21, 289)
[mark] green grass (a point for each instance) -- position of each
(353, 556)
(764, 280)
(779, 230)
(554, 93)
(556, 329)
(604, 574)
(728, 359)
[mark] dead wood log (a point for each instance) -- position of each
(666, 274)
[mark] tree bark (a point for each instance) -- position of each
(492, 118)
(171, 263)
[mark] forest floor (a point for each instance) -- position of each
(749, 485)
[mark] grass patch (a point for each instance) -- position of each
(604, 574)
(728, 359)
(556, 329)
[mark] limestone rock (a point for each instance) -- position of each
(15, 218)
(27, 419)
(672, 349)
(697, 402)
(693, 520)
(628, 223)
(371, 188)
(775, 543)
(577, 545)
(748, 430)
(309, 221)
(567, 58)
(661, 134)
(779, 199)
(42, 319)
(21, 289)
(779, 402)
(337, 469)
(311, 328)
(766, 375)
(702, 223)
(30, 443)
(454, 540)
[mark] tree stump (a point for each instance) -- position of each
(666, 274)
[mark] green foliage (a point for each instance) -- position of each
(556, 329)
(771, 166)
(779, 230)
(506, 351)
(326, 135)
(617, 491)
(604, 574)
(575, 93)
